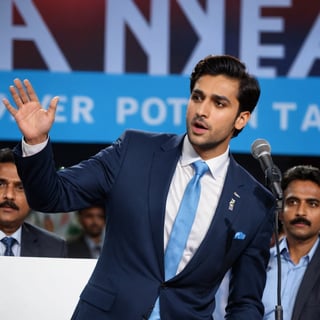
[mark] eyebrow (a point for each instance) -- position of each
(214, 96)
(15, 182)
(304, 199)
(217, 97)
(313, 200)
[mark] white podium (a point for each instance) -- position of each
(41, 288)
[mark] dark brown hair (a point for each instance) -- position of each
(229, 66)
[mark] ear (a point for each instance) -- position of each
(242, 119)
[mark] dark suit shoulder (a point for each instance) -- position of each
(149, 138)
(307, 302)
(39, 242)
(43, 233)
(148, 134)
(251, 184)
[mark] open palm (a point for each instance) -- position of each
(32, 119)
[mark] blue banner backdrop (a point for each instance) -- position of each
(125, 64)
(97, 108)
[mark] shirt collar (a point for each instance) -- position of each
(283, 248)
(16, 235)
(216, 165)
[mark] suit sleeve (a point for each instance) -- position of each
(248, 274)
(49, 190)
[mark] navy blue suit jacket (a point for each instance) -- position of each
(133, 177)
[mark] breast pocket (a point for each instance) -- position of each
(98, 297)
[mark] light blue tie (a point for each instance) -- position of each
(8, 242)
(182, 227)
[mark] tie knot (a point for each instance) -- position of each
(200, 167)
(8, 241)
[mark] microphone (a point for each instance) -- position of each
(261, 150)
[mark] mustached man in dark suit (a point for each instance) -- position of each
(142, 177)
(299, 248)
(28, 240)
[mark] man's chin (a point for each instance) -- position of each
(197, 138)
(199, 141)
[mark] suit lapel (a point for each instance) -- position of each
(29, 247)
(163, 167)
(229, 204)
(309, 280)
(222, 223)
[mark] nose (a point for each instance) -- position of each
(203, 109)
(301, 209)
(9, 192)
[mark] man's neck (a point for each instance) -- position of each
(299, 248)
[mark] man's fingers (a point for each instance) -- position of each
(30, 91)
(16, 97)
(22, 94)
(53, 105)
(9, 107)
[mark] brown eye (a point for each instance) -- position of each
(20, 188)
(291, 202)
(2, 184)
(314, 204)
(196, 97)
(219, 104)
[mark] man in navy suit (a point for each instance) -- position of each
(29, 240)
(299, 248)
(142, 177)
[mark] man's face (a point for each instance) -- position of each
(301, 212)
(213, 114)
(14, 207)
(93, 220)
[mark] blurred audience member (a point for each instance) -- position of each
(89, 243)
(17, 237)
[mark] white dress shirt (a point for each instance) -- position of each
(211, 187)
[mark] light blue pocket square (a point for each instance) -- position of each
(240, 235)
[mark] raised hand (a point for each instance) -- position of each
(33, 121)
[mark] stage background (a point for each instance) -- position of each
(126, 64)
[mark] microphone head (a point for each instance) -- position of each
(260, 147)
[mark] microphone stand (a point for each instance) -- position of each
(273, 181)
(278, 308)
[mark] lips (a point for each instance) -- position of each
(199, 126)
(9, 205)
(7, 208)
(300, 222)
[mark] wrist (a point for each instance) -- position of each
(37, 140)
